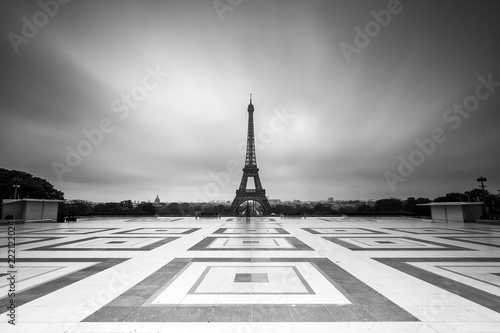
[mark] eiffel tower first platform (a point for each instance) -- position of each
(250, 171)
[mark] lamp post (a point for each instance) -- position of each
(16, 186)
(482, 180)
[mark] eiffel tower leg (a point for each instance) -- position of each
(258, 197)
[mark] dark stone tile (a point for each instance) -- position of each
(389, 313)
(21, 299)
(336, 274)
(233, 313)
(191, 314)
(143, 290)
(288, 259)
(151, 314)
(109, 263)
(202, 244)
(158, 279)
(128, 301)
(78, 275)
(39, 291)
(251, 277)
(110, 314)
(259, 260)
(349, 313)
(310, 313)
(372, 298)
(357, 288)
(271, 313)
(171, 269)
(489, 300)
(299, 244)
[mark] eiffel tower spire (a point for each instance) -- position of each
(250, 171)
(250, 158)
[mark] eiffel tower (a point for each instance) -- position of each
(250, 171)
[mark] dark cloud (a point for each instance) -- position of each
(324, 126)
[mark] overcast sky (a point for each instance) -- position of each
(169, 81)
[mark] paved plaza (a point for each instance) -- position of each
(331, 274)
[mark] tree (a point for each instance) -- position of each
(145, 208)
(490, 199)
(423, 210)
(319, 207)
(77, 208)
(283, 209)
(410, 205)
(174, 209)
(186, 209)
(390, 205)
(475, 195)
(221, 209)
(364, 209)
(108, 208)
(29, 186)
(209, 210)
(127, 206)
(452, 197)
(299, 210)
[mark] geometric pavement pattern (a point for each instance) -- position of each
(331, 274)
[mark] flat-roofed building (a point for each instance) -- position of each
(31, 210)
(456, 211)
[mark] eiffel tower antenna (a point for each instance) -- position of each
(250, 171)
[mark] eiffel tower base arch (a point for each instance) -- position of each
(246, 195)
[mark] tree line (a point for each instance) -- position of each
(389, 206)
(25, 185)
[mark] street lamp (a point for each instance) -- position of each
(16, 186)
(482, 180)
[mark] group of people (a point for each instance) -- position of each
(197, 215)
(70, 218)
(283, 216)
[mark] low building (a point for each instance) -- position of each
(456, 211)
(31, 210)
